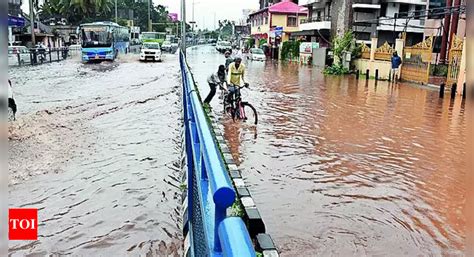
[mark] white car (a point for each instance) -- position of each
(257, 54)
(150, 51)
(166, 46)
(223, 46)
(18, 55)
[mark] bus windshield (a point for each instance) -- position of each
(152, 36)
(96, 37)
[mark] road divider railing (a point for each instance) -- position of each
(208, 231)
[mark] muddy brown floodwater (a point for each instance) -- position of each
(339, 167)
(96, 149)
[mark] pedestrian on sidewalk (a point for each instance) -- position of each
(396, 61)
(214, 80)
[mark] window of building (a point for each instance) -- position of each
(292, 21)
(383, 10)
(436, 10)
(403, 11)
(419, 10)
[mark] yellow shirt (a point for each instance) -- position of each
(236, 75)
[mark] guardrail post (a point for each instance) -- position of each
(453, 90)
(367, 73)
(376, 74)
(464, 92)
(441, 90)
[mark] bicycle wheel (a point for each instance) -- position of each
(248, 113)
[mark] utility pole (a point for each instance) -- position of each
(444, 39)
(32, 23)
(454, 24)
(183, 27)
(116, 16)
(149, 17)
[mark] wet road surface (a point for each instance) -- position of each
(96, 149)
(339, 167)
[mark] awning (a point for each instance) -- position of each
(304, 33)
(14, 21)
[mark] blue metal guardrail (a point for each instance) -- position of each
(210, 191)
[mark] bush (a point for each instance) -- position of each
(290, 49)
(439, 70)
(250, 43)
(336, 69)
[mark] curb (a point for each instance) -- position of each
(255, 225)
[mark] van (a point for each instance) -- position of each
(22, 52)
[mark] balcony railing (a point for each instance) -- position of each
(366, 2)
(315, 19)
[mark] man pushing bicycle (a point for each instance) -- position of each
(235, 77)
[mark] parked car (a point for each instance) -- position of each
(166, 46)
(223, 46)
(22, 52)
(257, 54)
(150, 51)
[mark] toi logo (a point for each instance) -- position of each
(23, 224)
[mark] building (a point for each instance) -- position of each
(276, 22)
(267, 3)
(397, 16)
(317, 26)
(15, 21)
(435, 21)
(365, 19)
(388, 19)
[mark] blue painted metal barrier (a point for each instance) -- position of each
(210, 191)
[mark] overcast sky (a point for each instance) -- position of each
(204, 10)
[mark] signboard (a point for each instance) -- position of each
(173, 16)
(278, 31)
(307, 47)
(14, 21)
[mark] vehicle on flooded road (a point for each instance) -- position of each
(150, 52)
(156, 37)
(103, 41)
(166, 46)
(223, 46)
(18, 55)
(257, 54)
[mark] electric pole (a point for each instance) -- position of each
(32, 23)
(149, 17)
(183, 27)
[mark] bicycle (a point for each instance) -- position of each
(238, 109)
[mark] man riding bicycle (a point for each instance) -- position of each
(235, 77)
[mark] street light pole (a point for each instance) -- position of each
(183, 27)
(149, 17)
(32, 23)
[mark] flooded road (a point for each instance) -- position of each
(339, 167)
(96, 149)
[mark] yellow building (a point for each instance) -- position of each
(276, 23)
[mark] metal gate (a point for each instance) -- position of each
(417, 61)
(455, 55)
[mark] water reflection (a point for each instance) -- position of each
(351, 168)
